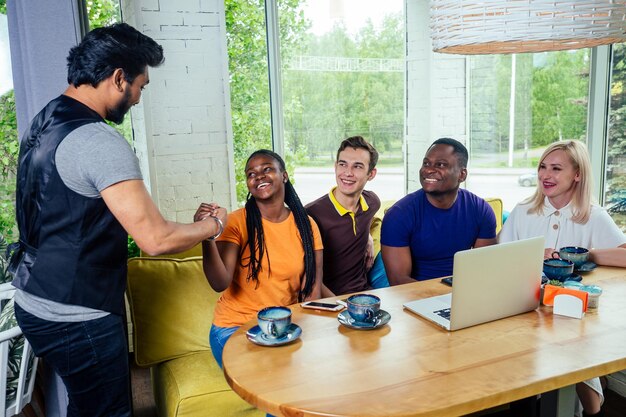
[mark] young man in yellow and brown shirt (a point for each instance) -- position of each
(344, 216)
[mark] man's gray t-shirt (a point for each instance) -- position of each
(90, 159)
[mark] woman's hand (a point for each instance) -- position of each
(547, 253)
(210, 210)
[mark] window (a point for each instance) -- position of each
(615, 186)
(8, 134)
(349, 67)
(519, 104)
(249, 90)
(343, 75)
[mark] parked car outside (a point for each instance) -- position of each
(527, 180)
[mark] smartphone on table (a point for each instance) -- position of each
(447, 281)
(327, 306)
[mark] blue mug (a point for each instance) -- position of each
(274, 321)
(558, 268)
(363, 308)
(575, 254)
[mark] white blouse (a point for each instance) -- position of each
(600, 231)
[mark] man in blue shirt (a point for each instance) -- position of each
(422, 231)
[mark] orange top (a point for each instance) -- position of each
(279, 286)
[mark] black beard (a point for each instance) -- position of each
(116, 114)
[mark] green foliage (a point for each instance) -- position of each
(3, 6)
(247, 53)
(4, 275)
(102, 12)
(323, 107)
(9, 144)
(616, 158)
(9, 149)
(550, 101)
(133, 249)
(8, 226)
(560, 89)
(245, 24)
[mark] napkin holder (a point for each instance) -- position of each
(566, 301)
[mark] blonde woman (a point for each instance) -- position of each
(561, 209)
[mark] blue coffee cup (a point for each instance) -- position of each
(363, 308)
(558, 268)
(274, 321)
(575, 254)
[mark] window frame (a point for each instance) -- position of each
(597, 116)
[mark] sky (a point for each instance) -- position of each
(353, 13)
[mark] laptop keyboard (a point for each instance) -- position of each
(445, 313)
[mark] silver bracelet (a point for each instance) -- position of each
(220, 229)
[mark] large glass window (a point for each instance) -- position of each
(8, 133)
(344, 76)
(249, 90)
(615, 186)
(519, 104)
(343, 65)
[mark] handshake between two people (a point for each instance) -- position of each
(208, 210)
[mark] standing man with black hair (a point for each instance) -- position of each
(344, 216)
(422, 231)
(79, 194)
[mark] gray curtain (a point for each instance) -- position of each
(41, 32)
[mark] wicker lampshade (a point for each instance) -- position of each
(517, 26)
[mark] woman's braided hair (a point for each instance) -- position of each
(256, 238)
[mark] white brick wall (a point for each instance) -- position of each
(182, 128)
(436, 92)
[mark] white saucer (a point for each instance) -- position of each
(382, 319)
(256, 336)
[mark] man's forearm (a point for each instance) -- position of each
(397, 279)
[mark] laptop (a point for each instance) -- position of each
(489, 283)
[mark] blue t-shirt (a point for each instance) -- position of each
(434, 235)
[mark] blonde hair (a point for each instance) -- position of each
(581, 199)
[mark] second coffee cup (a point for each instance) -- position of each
(363, 308)
(575, 254)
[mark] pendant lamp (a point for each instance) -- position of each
(518, 26)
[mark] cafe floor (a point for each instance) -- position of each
(143, 401)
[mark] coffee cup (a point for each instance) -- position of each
(363, 308)
(274, 321)
(575, 254)
(558, 268)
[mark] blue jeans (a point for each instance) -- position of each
(377, 276)
(218, 336)
(90, 356)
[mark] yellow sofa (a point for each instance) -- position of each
(171, 307)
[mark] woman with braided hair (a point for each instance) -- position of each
(270, 253)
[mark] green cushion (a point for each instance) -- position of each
(193, 386)
(171, 306)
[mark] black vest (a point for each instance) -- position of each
(71, 250)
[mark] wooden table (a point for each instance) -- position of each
(410, 367)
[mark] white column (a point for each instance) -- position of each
(182, 128)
